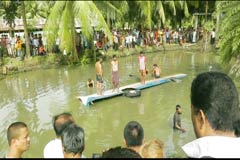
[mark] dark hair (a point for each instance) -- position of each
(73, 139)
(114, 56)
(59, 127)
(236, 126)
(141, 52)
(216, 95)
(178, 106)
(99, 59)
(133, 134)
(13, 130)
(119, 152)
(155, 65)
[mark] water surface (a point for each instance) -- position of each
(35, 97)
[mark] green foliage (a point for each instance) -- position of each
(209, 25)
(60, 24)
(10, 13)
(230, 30)
(65, 30)
(188, 22)
(160, 11)
(85, 60)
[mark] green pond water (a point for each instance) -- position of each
(35, 97)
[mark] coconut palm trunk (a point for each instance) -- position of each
(73, 32)
(206, 32)
(25, 29)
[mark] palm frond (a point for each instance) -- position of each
(65, 35)
(230, 30)
(172, 7)
(160, 10)
(101, 22)
(51, 27)
(186, 12)
(146, 12)
(84, 17)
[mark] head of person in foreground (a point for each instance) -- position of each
(60, 121)
(152, 149)
(214, 105)
(18, 139)
(133, 135)
(120, 152)
(73, 142)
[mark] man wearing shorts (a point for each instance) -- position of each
(99, 74)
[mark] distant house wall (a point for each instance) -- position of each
(36, 24)
(4, 27)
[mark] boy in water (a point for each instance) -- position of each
(156, 71)
(90, 83)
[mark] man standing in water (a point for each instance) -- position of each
(142, 67)
(115, 77)
(99, 74)
(177, 119)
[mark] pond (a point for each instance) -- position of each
(35, 97)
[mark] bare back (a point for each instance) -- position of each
(98, 67)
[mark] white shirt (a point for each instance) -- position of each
(213, 146)
(213, 34)
(127, 39)
(114, 66)
(115, 39)
(53, 149)
(35, 42)
(194, 36)
(142, 63)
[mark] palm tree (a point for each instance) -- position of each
(9, 11)
(108, 9)
(120, 15)
(150, 9)
(23, 14)
(38, 9)
(61, 24)
(230, 33)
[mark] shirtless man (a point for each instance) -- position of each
(99, 74)
(156, 71)
(18, 140)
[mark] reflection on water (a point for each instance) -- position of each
(35, 97)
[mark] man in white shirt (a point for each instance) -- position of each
(142, 67)
(213, 36)
(54, 148)
(214, 111)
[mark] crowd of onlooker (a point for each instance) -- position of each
(14, 46)
(215, 117)
(131, 38)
